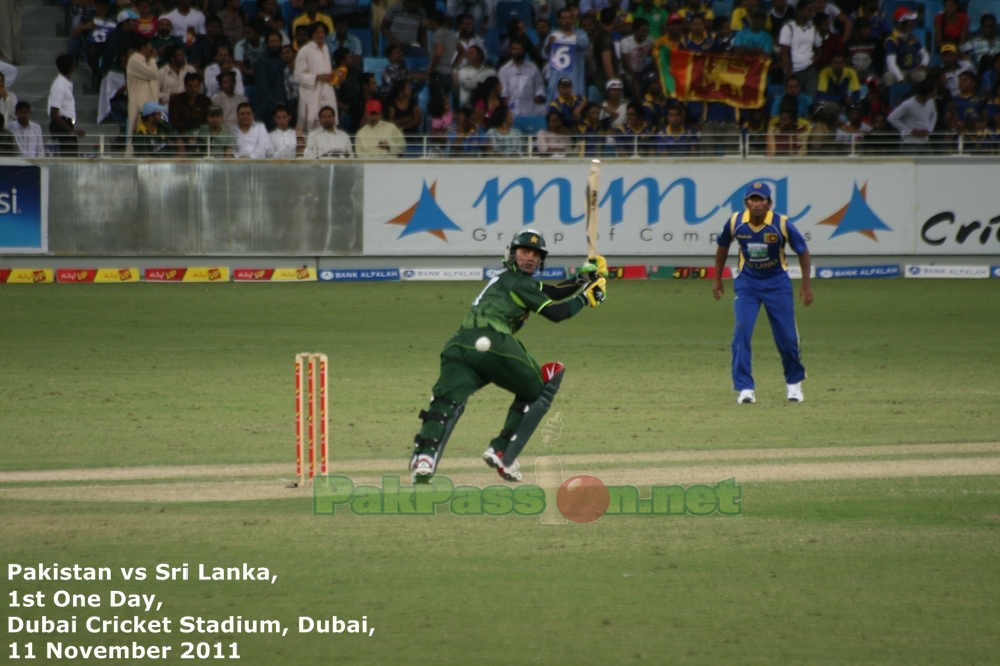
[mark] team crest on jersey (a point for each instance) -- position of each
(770, 238)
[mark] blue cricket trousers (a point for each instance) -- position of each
(775, 293)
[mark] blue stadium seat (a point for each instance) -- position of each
(491, 40)
(931, 9)
(509, 10)
(365, 37)
(375, 66)
(289, 13)
(250, 9)
(979, 7)
(417, 64)
(898, 92)
(530, 124)
(722, 8)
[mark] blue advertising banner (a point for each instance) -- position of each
(359, 275)
(888, 271)
(550, 273)
(995, 271)
(23, 209)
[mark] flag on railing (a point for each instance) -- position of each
(708, 77)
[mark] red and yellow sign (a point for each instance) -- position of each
(687, 273)
(707, 77)
(105, 275)
(209, 274)
(274, 274)
(26, 275)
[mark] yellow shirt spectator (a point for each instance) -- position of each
(320, 17)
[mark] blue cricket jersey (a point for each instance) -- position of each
(762, 249)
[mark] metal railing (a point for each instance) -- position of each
(658, 146)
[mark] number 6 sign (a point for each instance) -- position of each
(562, 56)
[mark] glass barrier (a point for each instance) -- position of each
(688, 144)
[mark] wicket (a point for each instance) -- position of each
(318, 421)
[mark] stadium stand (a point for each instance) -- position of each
(47, 24)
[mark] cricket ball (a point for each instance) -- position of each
(583, 498)
(483, 344)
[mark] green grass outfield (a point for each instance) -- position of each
(820, 568)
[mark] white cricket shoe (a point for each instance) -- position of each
(746, 396)
(795, 392)
(423, 468)
(511, 473)
(494, 459)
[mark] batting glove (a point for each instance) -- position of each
(595, 292)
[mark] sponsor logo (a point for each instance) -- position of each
(273, 274)
(74, 275)
(441, 273)
(360, 275)
(252, 274)
(856, 217)
(26, 275)
(425, 215)
(23, 224)
(550, 273)
(8, 202)
(616, 196)
(947, 271)
(932, 233)
(996, 271)
(887, 271)
(187, 275)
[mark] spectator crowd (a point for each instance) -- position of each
(207, 79)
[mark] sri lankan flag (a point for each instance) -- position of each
(707, 77)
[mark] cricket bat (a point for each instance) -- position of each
(592, 183)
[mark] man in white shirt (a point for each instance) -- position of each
(187, 22)
(171, 76)
(466, 37)
(521, 84)
(635, 51)
(327, 140)
(473, 73)
(286, 142)
(27, 134)
(252, 140)
(62, 108)
(799, 40)
(8, 102)
(228, 100)
(223, 63)
(835, 14)
(916, 117)
(953, 64)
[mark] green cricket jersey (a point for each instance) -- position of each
(505, 303)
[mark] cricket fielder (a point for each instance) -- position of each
(484, 350)
(762, 236)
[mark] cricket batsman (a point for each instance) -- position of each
(484, 350)
(762, 236)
